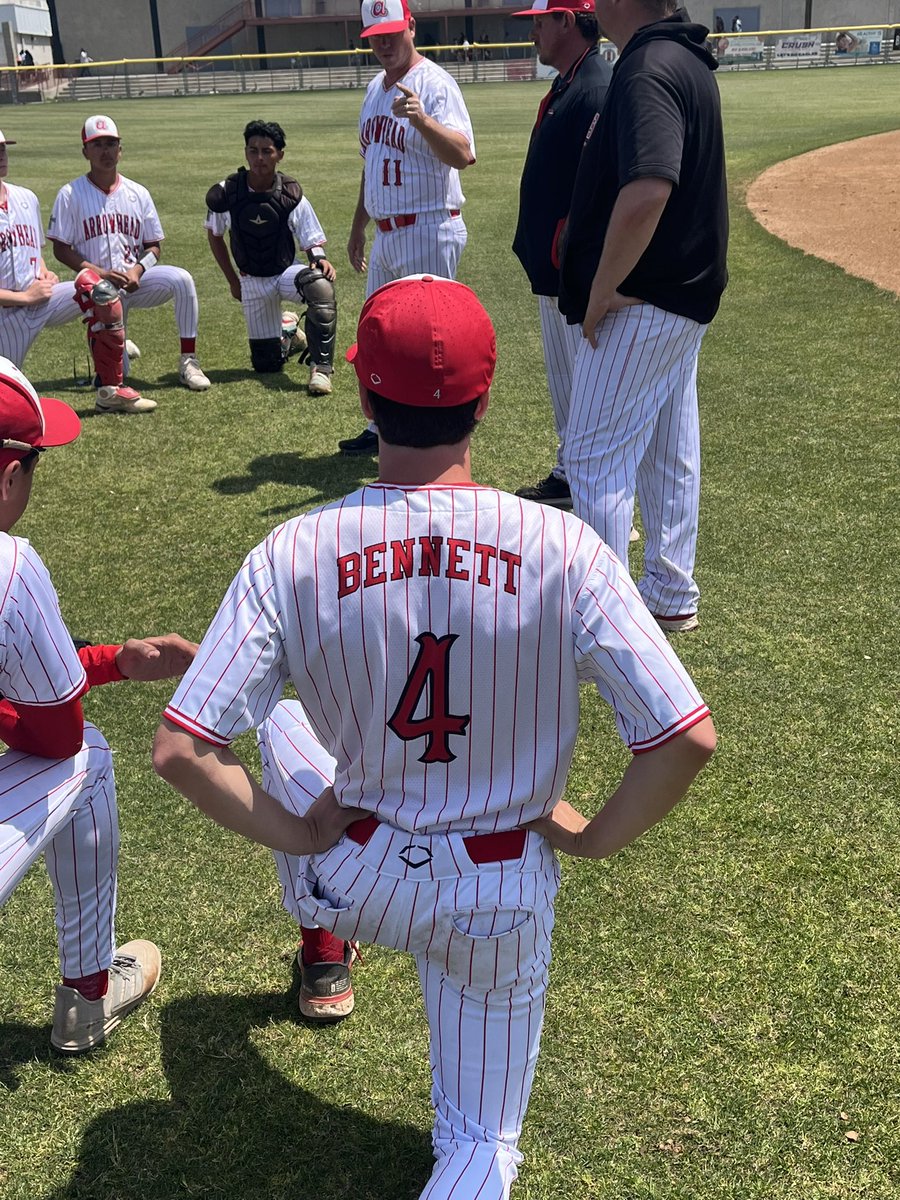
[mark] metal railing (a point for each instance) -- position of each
(303, 70)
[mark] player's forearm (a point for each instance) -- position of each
(632, 224)
(69, 257)
(221, 255)
(651, 787)
(219, 784)
(450, 146)
(11, 299)
(360, 216)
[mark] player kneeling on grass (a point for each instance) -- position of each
(436, 633)
(263, 211)
(57, 791)
(106, 228)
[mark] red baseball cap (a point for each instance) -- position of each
(426, 342)
(384, 16)
(552, 6)
(29, 421)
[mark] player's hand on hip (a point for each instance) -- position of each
(235, 288)
(155, 657)
(356, 251)
(328, 821)
(38, 292)
(407, 105)
(599, 307)
(561, 827)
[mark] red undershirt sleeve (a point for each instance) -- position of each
(99, 664)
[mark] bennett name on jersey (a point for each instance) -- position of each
(428, 556)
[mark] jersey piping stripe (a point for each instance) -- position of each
(194, 727)
(694, 718)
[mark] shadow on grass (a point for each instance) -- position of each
(330, 476)
(236, 1128)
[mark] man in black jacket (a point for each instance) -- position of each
(565, 35)
(642, 273)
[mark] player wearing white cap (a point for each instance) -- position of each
(57, 791)
(436, 633)
(107, 224)
(31, 297)
(415, 136)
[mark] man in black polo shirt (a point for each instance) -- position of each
(565, 35)
(643, 270)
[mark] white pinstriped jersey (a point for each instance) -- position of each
(402, 173)
(38, 662)
(107, 228)
(21, 238)
(302, 222)
(436, 637)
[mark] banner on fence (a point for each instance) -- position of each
(805, 45)
(738, 51)
(858, 43)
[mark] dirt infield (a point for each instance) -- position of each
(841, 203)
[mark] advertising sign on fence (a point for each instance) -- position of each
(858, 43)
(803, 45)
(737, 52)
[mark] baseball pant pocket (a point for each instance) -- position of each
(489, 950)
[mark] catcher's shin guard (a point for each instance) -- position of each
(266, 354)
(99, 300)
(317, 293)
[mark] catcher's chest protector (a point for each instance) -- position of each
(261, 242)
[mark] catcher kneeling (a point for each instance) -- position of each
(264, 211)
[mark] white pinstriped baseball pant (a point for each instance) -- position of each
(161, 284)
(261, 298)
(634, 425)
(20, 326)
(560, 341)
(433, 246)
(65, 809)
(481, 939)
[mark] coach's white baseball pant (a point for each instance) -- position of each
(65, 809)
(433, 246)
(20, 326)
(261, 298)
(480, 935)
(161, 284)
(634, 424)
(560, 341)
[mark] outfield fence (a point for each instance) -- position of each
(301, 71)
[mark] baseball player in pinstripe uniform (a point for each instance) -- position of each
(415, 136)
(108, 224)
(436, 633)
(57, 791)
(31, 297)
(264, 211)
(565, 35)
(642, 273)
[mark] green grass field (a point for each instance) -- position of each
(724, 1007)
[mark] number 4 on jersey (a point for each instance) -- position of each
(431, 671)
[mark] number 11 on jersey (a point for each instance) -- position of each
(386, 173)
(430, 671)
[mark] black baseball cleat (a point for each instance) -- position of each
(366, 443)
(326, 993)
(552, 490)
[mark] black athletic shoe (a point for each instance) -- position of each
(326, 993)
(366, 443)
(552, 490)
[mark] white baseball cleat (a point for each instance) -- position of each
(190, 375)
(80, 1024)
(319, 382)
(683, 623)
(122, 399)
(131, 349)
